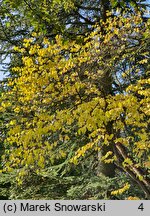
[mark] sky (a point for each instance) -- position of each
(7, 60)
(1, 70)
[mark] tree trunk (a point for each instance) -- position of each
(109, 168)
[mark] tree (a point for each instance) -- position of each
(73, 20)
(69, 18)
(97, 92)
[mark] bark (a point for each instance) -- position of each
(132, 170)
(104, 168)
(108, 169)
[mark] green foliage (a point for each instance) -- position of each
(50, 186)
(91, 187)
(5, 185)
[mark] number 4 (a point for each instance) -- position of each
(141, 207)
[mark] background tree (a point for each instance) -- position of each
(68, 18)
